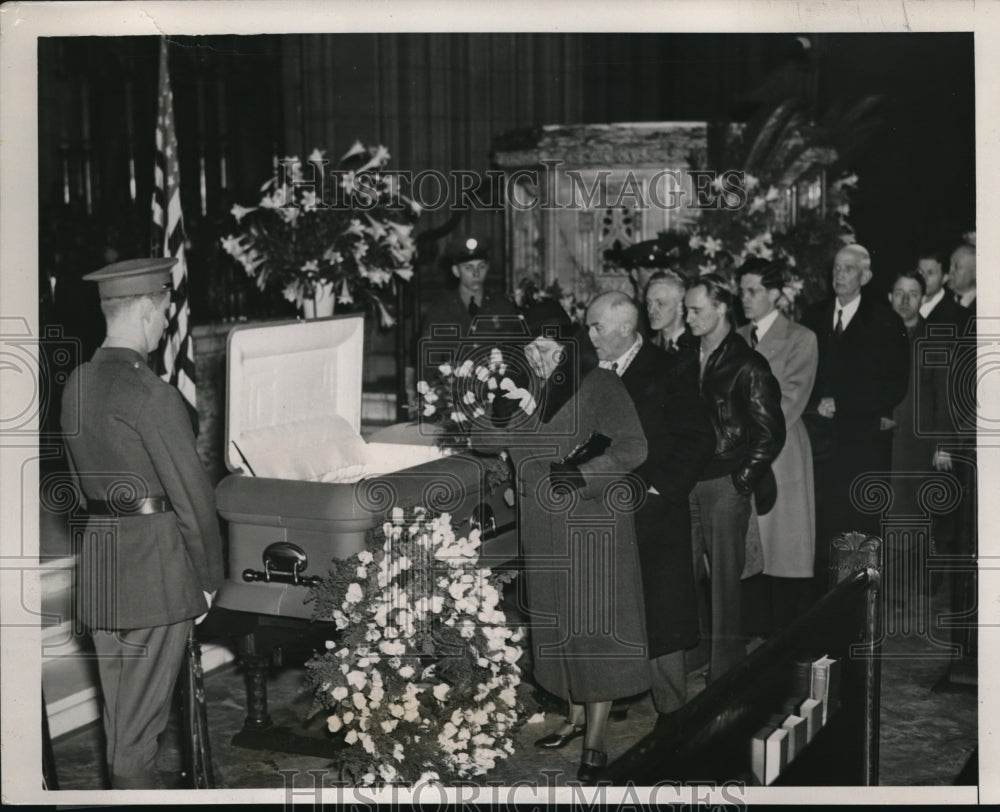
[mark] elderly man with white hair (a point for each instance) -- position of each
(681, 441)
(864, 361)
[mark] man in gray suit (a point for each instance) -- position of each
(787, 530)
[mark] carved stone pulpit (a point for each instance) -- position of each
(573, 192)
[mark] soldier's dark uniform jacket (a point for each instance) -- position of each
(153, 569)
(494, 316)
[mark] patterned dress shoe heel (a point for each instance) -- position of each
(592, 764)
(554, 741)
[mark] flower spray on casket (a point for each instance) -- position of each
(422, 679)
(490, 389)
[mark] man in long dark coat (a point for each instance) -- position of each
(150, 557)
(864, 362)
(681, 441)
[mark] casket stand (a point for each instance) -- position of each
(306, 488)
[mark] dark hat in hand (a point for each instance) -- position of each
(133, 277)
(666, 251)
(765, 492)
(548, 318)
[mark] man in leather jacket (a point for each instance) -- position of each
(744, 405)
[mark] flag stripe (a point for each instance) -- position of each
(167, 239)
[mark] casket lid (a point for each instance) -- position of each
(287, 382)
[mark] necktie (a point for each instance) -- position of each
(669, 347)
(753, 337)
(473, 307)
(839, 328)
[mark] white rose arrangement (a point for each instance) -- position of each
(423, 677)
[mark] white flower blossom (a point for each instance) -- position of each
(239, 212)
(392, 647)
(366, 742)
(344, 296)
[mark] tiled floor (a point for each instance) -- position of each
(927, 735)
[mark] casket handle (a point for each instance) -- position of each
(484, 521)
(283, 563)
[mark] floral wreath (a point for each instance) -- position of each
(423, 677)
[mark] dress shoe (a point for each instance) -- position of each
(556, 740)
(592, 764)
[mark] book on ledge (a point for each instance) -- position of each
(812, 711)
(826, 684)
(797, 731)
(768, 754)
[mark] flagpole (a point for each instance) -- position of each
(168, 240)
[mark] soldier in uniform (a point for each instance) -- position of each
(150, 558)
(468, 306)
(460, 314)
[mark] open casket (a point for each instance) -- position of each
(306, 486)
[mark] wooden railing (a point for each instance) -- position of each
(710, 738)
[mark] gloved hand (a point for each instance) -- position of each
(567, 476)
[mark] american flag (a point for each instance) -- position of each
(167, 235)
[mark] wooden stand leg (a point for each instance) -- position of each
(259, 731)
(255, 667)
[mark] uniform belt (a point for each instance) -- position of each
(137, 507)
